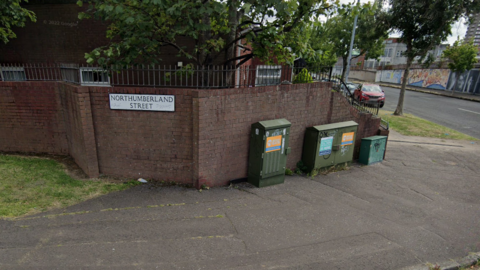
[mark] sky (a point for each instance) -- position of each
(459, 29)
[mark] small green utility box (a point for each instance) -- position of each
(372, 149)
(267, 157)
(328, 145)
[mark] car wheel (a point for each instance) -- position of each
(381, 105)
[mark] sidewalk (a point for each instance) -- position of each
(465, 96)
(421, 204)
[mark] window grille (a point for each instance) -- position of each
(268, 75)
(13, 74)
(92, 76)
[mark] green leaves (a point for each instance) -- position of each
(13, 15)
(139, 30)
(118, 9)
(130, 20)
(246, 7)
(462, 56)
(426, 23)
(331, 39)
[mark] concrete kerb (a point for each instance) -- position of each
(464, 262)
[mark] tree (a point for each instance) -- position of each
(140, 29)
(324, 51)
(335, 34)
(463, 55)
(13, 15)
(423, 25)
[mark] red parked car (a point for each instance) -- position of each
(370, 94)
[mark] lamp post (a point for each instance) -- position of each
(349, 60)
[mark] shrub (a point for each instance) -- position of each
(303, 77)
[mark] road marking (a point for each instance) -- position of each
(468, 111)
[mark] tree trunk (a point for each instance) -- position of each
(230, 51)
(232, 24)
(344, 68)
(399, 110)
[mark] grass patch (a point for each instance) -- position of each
(410, 125)
(31, 185)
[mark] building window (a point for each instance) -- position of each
(13, 74)
(399, 53)
(268, 75)
(93, 76)
(390, 52)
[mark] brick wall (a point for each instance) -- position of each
(59, 36)
(144, 144)
(31, 118)
(205, 141)
(79, 127)
(225, 118)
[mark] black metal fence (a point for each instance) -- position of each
(341, 87)
(188, 76)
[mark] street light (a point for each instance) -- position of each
(349, 60)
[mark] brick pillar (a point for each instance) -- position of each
(197, 178)
(89, 141)
(79, 127)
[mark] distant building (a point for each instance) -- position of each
(394, 54)
(473, 31)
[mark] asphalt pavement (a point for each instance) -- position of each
(461, 113)
(421, 204)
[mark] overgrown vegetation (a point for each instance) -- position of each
(288, 171)
(31, 185)
(301, 168)
(414, 126)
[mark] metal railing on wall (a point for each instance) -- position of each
(374, 109)
(188, 76)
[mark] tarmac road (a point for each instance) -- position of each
(457, 114)
(422, 204)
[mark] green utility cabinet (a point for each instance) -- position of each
(328, 145)
(372, 149)
(267, 157)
